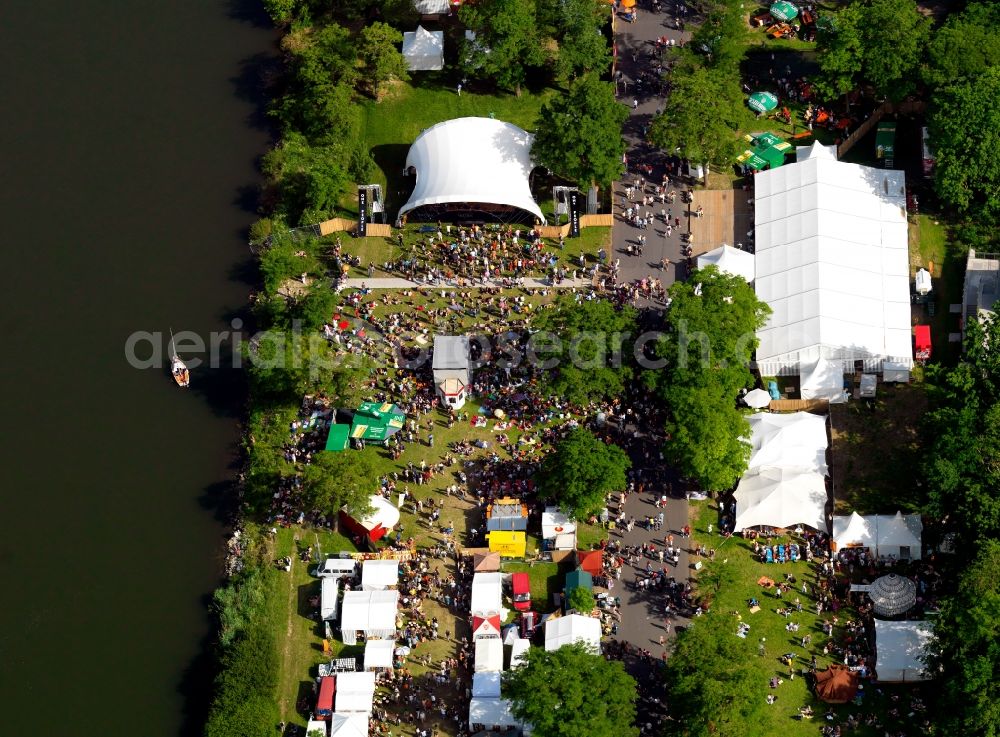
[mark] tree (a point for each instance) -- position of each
(702, 116)
(582, 45)
(507, 42)
(338, 478)
(585, 346)
(841, 54)
(287, 364)
(309, 179)
(964, 127)
(580, 600)
(723, 36)
(381, 57)
(714, 686)
(581, 471)
(965, 46)
(966, 649)
(578, 135)
(571, 692)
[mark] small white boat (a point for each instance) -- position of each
(178, 369)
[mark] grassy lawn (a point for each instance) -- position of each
(930, 248)
(743, 571)
(546, 580)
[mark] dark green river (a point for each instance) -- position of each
(129, 133)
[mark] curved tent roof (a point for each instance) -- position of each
(730, 260)
(781, 497)
(796, 440)
(472, 160)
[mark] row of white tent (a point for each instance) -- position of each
(370, 612)
(376, 575)
(898, 535)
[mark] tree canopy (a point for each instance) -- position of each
(965, 46)
(509, 30)
(571, 692)
(582, 342)
(580, 600)
(336, 479)
(578, 134)
(581, 471)
(582, 46)
(381, 56)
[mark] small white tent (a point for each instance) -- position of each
(490, 713)
(518, 651)
(348, 725)
(487, 593)
(329, 588)
(822, 379)
(371, 612)
(796, 440)
(730, 260)
(899, 536)
(559, 528)
(486, 685)
(423, 49)
(854, 531)
(378, 654)
(781, 497)
(900, 648)
(489, 654)
(573, 628)
(379, 574)
(355, 692)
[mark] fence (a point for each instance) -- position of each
(907, 107)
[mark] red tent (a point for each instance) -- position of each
(838, 684)
(922, 342)
(592, 561)
(484, 626)
(324, 702)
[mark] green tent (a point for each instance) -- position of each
(783, 11)
(766, 139)
(373, 421)
(773, 155)
(338, 437)
(579, 579)
(762, 102)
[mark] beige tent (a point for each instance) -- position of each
(486, 562)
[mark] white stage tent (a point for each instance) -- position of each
(487, 593)
(781, 497)
(355, 692)
(486, 685)
(572, 628)
(822, 379)
(472, 160)
(899, 649)
(378, 654)
(795, 440)
(730, 260)
(518, 651)
(329, 588)
(489, 654)
(348, 725)
(491, 713)
(832, 262)
(423, 49)
(379, 574)
(898, 535)
(371, 612)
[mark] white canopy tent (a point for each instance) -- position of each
(329, 589)
(355, 692)
(854, 531)
(423, 49)
(822, 379)
(897, 535)
(573, 628)
(832, 262)
(486, 685)
(491, 713)
(757, 399)
(559, 528)
(795, 440)
(378, 654)
(489, 654)
(730, 260)
(518, 652)
(472, 160)
(371, 612)
(379, 574)
(348, 724)
(487, 593)
(900, 648)
(781, 497)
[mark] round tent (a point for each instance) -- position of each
(472, 167)
(892, 595)
(762, 102)
(784, 11)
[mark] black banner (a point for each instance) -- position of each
(362, 212)
(574, 214)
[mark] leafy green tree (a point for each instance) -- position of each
(965, 46)
(281, 11)
(583, 340)
(723, 35)
(702, 116)
(336, 479)
(841, 56)
(581, 471)
(285, 259)
(507, 42)
(966, 649)
(578, 135)
(317, 307)
(381, 57)
(715, 688)
(583, 46)
(580, 600)
(287, 364)
(309, 180)
(571, 692)
(964, 126)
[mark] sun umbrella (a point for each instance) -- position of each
(758, 399)
(892, 595)
(762, 102)
(783, 11)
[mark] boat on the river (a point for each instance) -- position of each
(178, 369)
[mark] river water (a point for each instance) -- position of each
(129, 135)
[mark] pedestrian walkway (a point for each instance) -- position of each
(399, 283)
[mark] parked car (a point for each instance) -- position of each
(520, 586)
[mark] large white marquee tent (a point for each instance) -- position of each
(900, 648)
(832, 262)
(573, 628)
(472, 160)
(795, 440)
(730, 260)
(781, 497)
